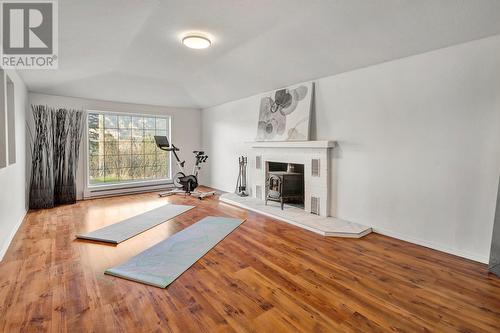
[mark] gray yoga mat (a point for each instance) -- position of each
(164, 262)
(121, 231)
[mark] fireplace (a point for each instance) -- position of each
(268, 165)
(285, 183)
(311, 158)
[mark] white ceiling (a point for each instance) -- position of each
(129, 50)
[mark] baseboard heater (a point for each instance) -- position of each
(93, 193)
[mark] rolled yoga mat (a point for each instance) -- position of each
(164, 262)
(121, 231)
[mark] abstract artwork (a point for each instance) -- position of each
(284, 114)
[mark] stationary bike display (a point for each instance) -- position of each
(185, 184)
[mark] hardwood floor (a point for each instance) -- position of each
(266, 276)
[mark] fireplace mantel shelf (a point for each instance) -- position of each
(293, 144)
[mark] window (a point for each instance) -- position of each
(121, 148)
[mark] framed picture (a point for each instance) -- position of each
(285, 113)
(3, 120)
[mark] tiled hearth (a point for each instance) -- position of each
(326, 226)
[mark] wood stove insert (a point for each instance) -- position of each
(285, 186)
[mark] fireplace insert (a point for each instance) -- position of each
(285, 186)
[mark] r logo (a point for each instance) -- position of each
(27, 28)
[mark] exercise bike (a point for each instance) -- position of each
(184, 184)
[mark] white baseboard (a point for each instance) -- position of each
(460, 253)
(6, 244)
(95, 193)
(464, 254)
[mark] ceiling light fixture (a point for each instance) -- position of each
(196, 42)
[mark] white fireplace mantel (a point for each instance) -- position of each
(314, 155)
(293, 144)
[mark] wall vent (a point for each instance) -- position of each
(315, 167)
(315, 205)
(258, 192)
(258, 162)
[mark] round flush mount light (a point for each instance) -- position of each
(196, 42)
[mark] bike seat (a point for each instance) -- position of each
(199, 152)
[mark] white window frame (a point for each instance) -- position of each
(123, 187)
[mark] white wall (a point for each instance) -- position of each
(185, 123)
(419, 145)
(12, 178)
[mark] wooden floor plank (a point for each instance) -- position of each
(266, 276)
